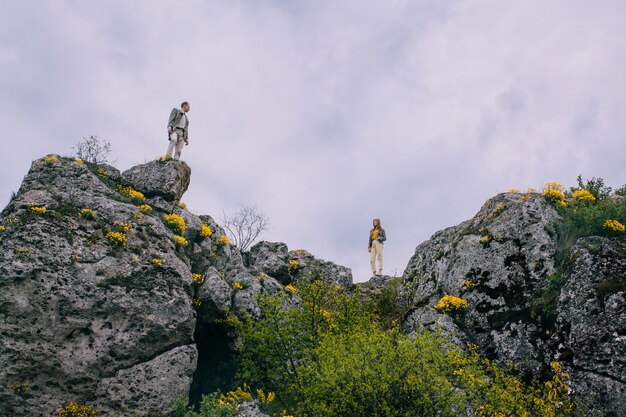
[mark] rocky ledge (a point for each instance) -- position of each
(105, 301)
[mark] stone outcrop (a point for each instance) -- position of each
(154, 181)
(502, 262)
(99, 304)
(275, 260)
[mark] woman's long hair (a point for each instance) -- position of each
(378, 223)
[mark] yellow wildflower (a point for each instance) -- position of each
(293, 265)
(583, 195)
(450, 304)
(613, 225)
(175, 222)
(88, 213)
(198, 279)
(206, 231)
(532, 190)
(290, 289)
(116, 238)
(123, 226)
(180, 241)
(130, 192)
(237, 285)
(2, 228)
(145, 208)
(197, 303)
(73, 409)
(103, 173)
(157, 262)
(50, 159)
(469, 284)
(78, 161)
(223, 240)
(38, 209)
(181, 205)
(514, 190)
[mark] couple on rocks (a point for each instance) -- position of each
(178, 135)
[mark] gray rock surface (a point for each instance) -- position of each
(271, 258)
(150, 384)
(169, 179)
(591, 323)
(500, 262)
(85, 320)
(77, 312)
(312, 268)
(250, 409)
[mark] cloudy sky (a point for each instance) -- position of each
(326, 114)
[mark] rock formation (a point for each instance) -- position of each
(502, 262)
(104, 302)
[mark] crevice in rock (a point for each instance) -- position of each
(216, 364)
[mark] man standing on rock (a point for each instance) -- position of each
(375, 246)
(178, 130)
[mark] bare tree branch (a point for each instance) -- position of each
(93, 149)
(245, 226)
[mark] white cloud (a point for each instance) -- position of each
(327, 114)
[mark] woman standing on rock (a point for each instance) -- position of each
(375, 246)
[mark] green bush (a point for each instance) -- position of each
(584, 219)
(328, 356)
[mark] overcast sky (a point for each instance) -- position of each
(326, 114)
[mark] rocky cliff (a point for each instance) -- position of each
(521, 306)
(111, 290)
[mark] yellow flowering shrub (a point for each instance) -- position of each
(293, 265)
(165, 158)
(180, 241)
(583, 195)
(265, 398)
(21, 388)
(556, 197)
(50, 159)
(101, 172)
(206, 231)
(175, 222)
(197, 303)
(116, 238)
(2, 228)
(157, 262)
(145, 208)
(237, 285)
(73, 409)
(38, 209)
(198, 279)
(123, 227)
(88, 213)
(469, 284)
(514, 190)
(531, 190)
(613, 225)
(79, 161)
(223, 240)
(130, 192)
(451, 304)
(290, 289)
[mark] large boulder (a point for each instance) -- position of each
(591, 323)
(308, 266)
(271, 258)
(168, 179)
(502, 263)
(83, 318)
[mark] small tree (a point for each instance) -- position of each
(93, 149)
(245, 226)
